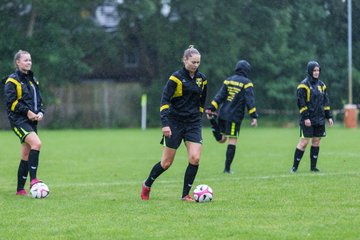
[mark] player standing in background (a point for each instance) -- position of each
(24, 109)
(235, 93)
(182, 105)
(314, 107)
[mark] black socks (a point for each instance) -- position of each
(33, 163)
(22, 174)
(297, 158)
(155, 172)
(189, 177)
(230, 153)
(314, 153)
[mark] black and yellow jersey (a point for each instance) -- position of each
(183, 97)
(313, 101)
(22, 94)
(235, 94)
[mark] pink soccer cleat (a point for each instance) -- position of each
(188, 198)
(21, 192)
(34, 181)
(145, 192)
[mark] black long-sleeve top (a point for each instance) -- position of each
(22, 94)
(235, 94)
(313, 101)
(183, 97)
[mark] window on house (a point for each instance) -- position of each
(131, 59)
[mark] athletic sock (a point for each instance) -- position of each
(189, 178)
(33, 163)
(297, 157)
(215, 129)
(155, 172)
(314, 153)
(22, 174)
(230, 153)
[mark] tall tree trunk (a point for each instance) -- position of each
(30, 29)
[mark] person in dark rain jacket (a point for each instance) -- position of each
(25, 110)
(314, 106)
(182, 105)
(234, 96)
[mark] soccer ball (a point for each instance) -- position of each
(203, 193)
(39, 190)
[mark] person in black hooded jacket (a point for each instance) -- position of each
(25, 110)
(235, 94)
(314, 106)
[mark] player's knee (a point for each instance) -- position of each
(302, 145)
(165, 164)
(36, 145)
(315, 143)
(194, 159)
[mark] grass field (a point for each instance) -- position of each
(95, 178)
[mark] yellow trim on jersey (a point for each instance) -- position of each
(214, 104)
(18, 91)
(307, 90)
(327, 108)
(303, 109)
(201, 109)
(178, 91)
(249, 85)
(234, 83)
(204, 83)
(302, 133)
(164, 141)
(252, 110)
(165, 106)
(232, 132)
(18, 132)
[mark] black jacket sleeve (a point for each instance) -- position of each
(327, 109)
(13, 101)
(166, 97)
(250, 100)
(302, 102)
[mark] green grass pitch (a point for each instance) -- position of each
(95, 177)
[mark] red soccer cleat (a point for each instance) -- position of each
(34, 181)
(21, 192)
(188, 198)
(145, 192)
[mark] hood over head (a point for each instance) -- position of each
(243, 67)
(310, 68)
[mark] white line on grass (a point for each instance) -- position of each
(210, 179)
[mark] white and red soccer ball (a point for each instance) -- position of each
(39, 190)
(203, 193)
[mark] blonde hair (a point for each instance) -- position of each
(190, 51)
(18, 55)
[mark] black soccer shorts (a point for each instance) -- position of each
(23, 129)
(229, 129)
(187, 131)
(312, 131)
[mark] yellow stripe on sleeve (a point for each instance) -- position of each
(178, 90)
(249, 85)
(214, 104)
(303, 109)
(163, 107)
(307, 91)
(18, 91)
(252, 110)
